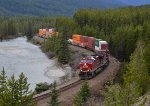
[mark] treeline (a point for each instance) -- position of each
(11, 27)
(120, 27)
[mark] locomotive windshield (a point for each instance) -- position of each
(87, 61)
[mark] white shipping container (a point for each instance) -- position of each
(103, 46)
(50, 30)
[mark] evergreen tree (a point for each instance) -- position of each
(12, 85)
(82, 95)
(15, 92)
(147, 56)
(63, 51)
(135, 82)
(54, 95)
(24, 94)
(137, 72)
(3, 88)
(12, 30)
(41, 87)
(113, 96)
(29, 30)
(3, 85)
(120, 96)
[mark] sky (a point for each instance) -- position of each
(135, 2)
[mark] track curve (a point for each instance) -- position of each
(69, 89)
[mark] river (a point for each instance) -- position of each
(18, 56)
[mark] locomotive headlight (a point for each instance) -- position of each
(88, 70)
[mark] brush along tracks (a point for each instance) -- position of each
(71, 85)
(60, 88)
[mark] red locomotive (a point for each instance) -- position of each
(92, 65)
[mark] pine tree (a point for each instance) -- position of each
(113, 96)
(85, 91)
(12, 91)
(147, 56)
(41, 87)
(3, 88)
(63, 51)
(3, 85)
(24, 94)
(135, 82)
(29, 30)
(137, 70)
(15, 92)
(12, 30)
(54, 95)
(78, 100)
(82, 95)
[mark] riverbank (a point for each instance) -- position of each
(18, 55)
(10, 37)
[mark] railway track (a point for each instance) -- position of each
(62, 88)
(71, 85)
(69, 89)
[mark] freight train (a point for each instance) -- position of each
(46, 33)
(90, 66)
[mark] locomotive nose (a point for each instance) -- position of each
(85, 65)
(85, 68)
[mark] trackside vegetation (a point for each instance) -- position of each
(82, 96)
(54, 96)
(135, 84)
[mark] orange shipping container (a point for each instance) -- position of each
(76, 39)
(44, 31)
(40, 32)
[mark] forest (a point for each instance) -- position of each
(120, 27)
(127, 30)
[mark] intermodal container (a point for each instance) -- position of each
(40, 32)
(76, 39)
(101, 46)
(43, 32)
(104, 46)
(83, 41)
(91, 43)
